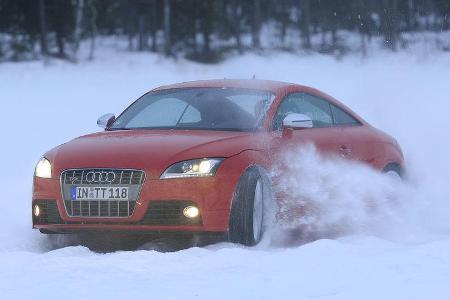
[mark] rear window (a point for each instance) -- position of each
(341, 117)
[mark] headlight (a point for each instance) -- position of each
(43, 168)
(193, 168)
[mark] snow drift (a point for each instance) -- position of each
(390, 240)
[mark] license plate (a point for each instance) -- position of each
(98, 193)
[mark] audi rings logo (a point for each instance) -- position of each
(100, 177)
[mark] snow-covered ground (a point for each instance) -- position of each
(400, 252)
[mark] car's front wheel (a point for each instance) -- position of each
(247, 209)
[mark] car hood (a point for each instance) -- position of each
(152, 150)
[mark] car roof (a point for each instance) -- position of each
(266, 85)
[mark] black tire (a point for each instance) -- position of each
(394, 167)
(241, 216)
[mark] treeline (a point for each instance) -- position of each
(206, 30)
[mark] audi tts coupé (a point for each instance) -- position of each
(195, 158)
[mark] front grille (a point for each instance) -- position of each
(49, 213)
(169, 213)
(100, 208)
(105, 208)
(84, 176)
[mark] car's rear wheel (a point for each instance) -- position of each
(394, 171)
(247, 210)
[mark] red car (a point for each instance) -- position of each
(194, 158)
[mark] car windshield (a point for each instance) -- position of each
(234, 109)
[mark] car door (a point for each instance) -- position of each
(327, 138)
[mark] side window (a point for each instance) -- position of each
(316, 108)
(341, 117)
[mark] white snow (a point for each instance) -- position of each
(400, 252)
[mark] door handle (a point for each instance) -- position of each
(345, 151)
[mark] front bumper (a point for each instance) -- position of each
(211, 195)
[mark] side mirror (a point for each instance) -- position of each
(106, 121)
(297, 121)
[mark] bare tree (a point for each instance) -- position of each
(305, 23)
(43, 28)
(362, 19)
(130, 22)
(167, 33)
(60, 43)
(205, 28)
(153, 24)
(93, 25)
(236, 16)
(284, 11)
(77, 30)
(410, 15)
(142, 8)
(389, 23)
(142, 37)
(256, 24)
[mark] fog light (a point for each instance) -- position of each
(36, 210)
(191, 212)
